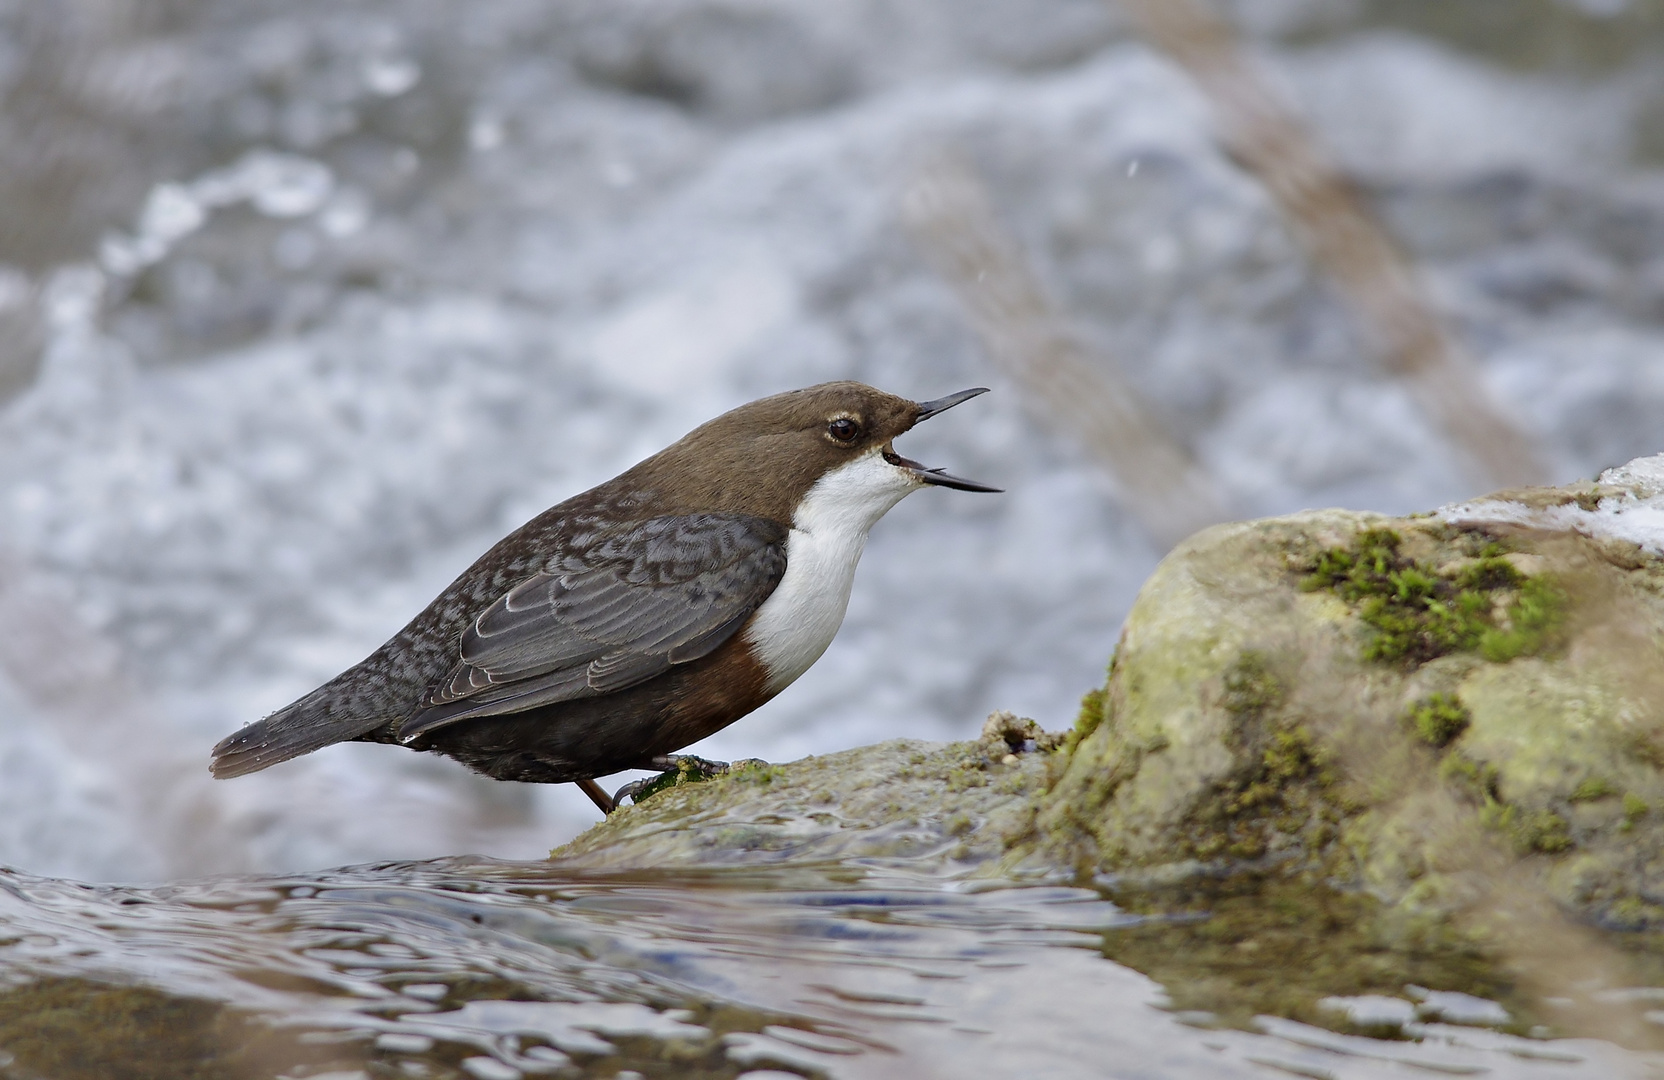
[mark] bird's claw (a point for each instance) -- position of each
(632, 789)
(689, 764)
(675, 769)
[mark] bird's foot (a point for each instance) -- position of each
(633, 790)
(689, 765)
(677, 769)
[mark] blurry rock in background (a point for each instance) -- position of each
(328, 298)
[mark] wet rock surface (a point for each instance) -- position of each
(1366, 698)
(934, 804)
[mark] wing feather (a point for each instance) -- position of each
(623, 610)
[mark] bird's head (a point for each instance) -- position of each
(836, 439)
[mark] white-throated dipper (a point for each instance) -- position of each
(640, 616)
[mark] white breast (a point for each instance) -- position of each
(799, 619)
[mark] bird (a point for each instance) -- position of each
(640, 616)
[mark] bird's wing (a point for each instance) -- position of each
(616, 613)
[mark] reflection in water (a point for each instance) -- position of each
(468, 967)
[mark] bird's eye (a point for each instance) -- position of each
(843, 429)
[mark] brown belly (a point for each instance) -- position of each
(574, 740)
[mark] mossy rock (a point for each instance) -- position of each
(1368, 698)
(957, 805)
(1455, 719)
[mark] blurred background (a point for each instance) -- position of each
(303, 304)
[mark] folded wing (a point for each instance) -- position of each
(612, 615)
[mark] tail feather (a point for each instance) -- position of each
(315, 721)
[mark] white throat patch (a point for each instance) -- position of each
(829, 531)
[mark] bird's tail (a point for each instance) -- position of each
(319, 719)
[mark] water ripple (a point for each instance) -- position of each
(459, 967)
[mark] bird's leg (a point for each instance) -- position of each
(598, 796)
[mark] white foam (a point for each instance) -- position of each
(1635, 516)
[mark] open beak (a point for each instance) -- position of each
(927, 409)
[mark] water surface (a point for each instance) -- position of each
(489, 969)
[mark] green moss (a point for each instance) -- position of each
(1092, 708)
(1535, 624)
(971, 775)
(1635, 808)
(757, 773)
(1415, 613)
(1251, 688)
(1593, 789)
(1439, 719)
(1543, 831)
(1498, 815)
(1279, 790)
(1253, 696)
(1478, 779)
(1291, 755)
(1531, 832)
(669, 779)
(1632, 914)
